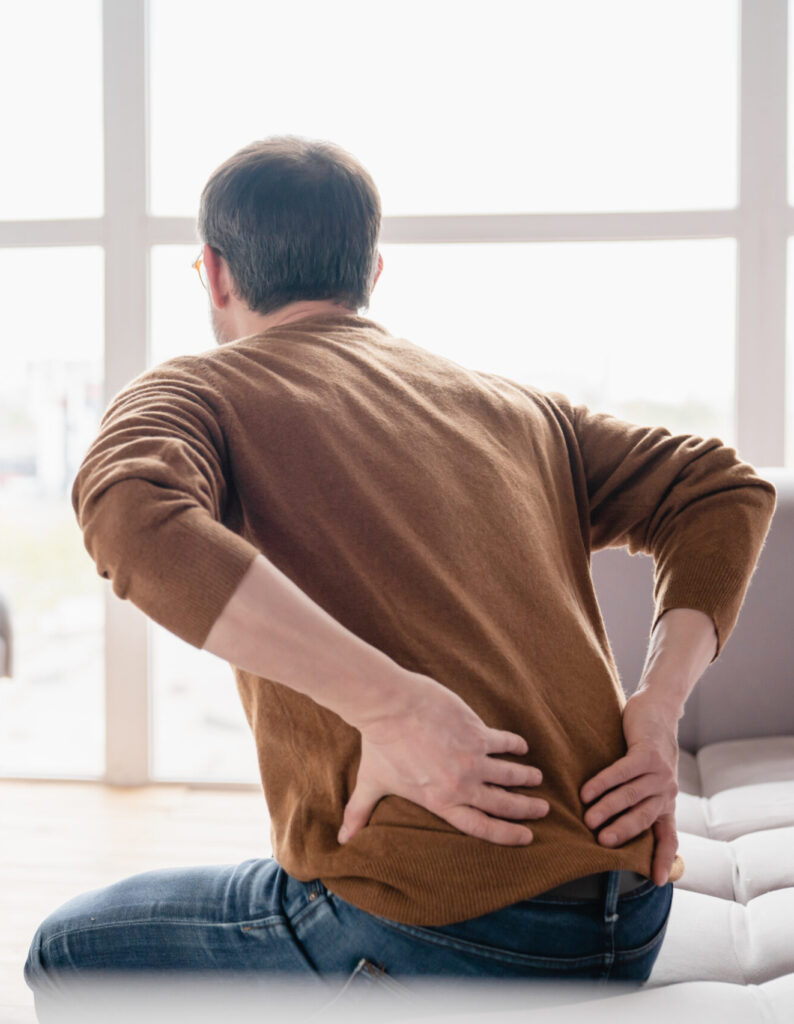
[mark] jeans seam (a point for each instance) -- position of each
(266, 923)
(638, 951)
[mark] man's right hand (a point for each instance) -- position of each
(643, 783)
(434, 750)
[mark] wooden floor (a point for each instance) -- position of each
(58, 839)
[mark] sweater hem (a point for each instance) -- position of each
(459, 887)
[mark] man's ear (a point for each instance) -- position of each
(218, 276)
(378, 271)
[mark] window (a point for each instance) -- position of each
(523, 105)
(593, 198)
(52, 709)
(650, 334)
(51, 79)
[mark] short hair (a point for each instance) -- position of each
(294, 218)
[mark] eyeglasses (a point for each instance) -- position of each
(201, 270)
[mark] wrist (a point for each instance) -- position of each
(665, 692)
(386, 690)
(682, 644)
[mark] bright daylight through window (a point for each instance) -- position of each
(571, 223)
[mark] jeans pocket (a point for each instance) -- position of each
(646, 947)
(376, 974)
(369, 982)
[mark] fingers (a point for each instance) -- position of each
(640, 760)
(472, 817)
(359, 810)
(620, 799)
(502, 804)
(666, 847)
(500, 742)
(507, 773)
(619, 771)
(475, 823)
(631, 824)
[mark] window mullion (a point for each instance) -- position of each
(67, 232)
(515, 227)
(126, 328)
(763, 207)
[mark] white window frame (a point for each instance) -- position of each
(761, 224)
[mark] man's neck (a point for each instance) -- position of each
(248, 322)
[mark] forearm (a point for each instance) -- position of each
(681, 648)
(271, 628)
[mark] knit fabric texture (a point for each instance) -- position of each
(444, 515)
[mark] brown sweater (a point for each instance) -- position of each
(444, 515)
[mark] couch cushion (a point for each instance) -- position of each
(701, 1001)
(732, 917)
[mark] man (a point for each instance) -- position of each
(393, 552)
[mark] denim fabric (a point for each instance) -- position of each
(253, 919)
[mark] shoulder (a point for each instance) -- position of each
(189, 380)
(555, 403)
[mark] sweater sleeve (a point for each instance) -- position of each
(688, 501)
(149, 497)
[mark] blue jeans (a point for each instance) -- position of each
(252, 919)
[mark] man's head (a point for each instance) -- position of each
(289, 220)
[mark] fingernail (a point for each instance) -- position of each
(609, 837)
(343, 834)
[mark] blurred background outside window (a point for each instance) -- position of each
(543, 108)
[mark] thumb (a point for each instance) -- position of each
(358, 810)
(666, 846)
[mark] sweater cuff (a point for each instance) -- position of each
(706, 586)
(204, 581)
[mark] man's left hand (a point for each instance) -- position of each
(435, 750)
